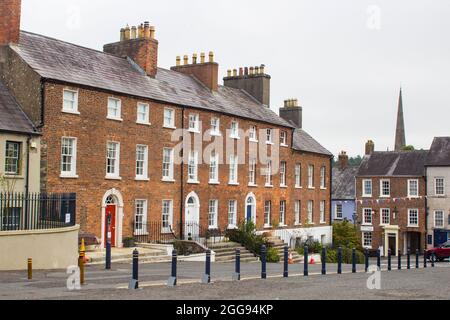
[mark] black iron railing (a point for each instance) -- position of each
(36, 211)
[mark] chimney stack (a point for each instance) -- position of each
(206, 72)
(343, 160)
(370, 147)
(292, 113)
(254, 81)
(9, 21)
(139, 44)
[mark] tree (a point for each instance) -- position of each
(345, 235)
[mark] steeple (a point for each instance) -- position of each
(400, 140)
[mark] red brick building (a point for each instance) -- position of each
(112, 124)
(391, 200)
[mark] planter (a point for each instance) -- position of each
(128, 243)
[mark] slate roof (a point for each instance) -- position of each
(439, 154)
(395, 163)
(344, 183)
(62, 61)
(12, 118)
(304, 142)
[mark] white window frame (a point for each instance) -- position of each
(146, 121)
(234, 130)
(365, 221)
(311, 176)
(411, 225)
(267, 214)
(283, 139)
(143, 223)
(194, 123)
(117, 117)
(144, 175)
(364, 239)
(283, 165)
(232, 214)
(310, 210)
(382, 195)
(282, 213)
(323, 175)
(17, 159)
(73, 164)
(436, 187)
(298, 175)
(336, 211)
(233, 178)
(364, 194)
(410, 181)
(170, 165)
(298, 212)
(116, 173)
(171, 123)
(253, 134)
(269, 136)
(213, 209)
(74, 110)
(269, 178)
(384, 211)
(215, 127)
(214, 167)
(169, 214)
(252, 173)
(193, 167)
(436, 212)
(322, 211)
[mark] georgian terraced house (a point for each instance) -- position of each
(108, 119)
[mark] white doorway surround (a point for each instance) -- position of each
(192, 216)
(115, 196)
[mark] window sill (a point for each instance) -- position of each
(413, 197)
(193, 130)
(64, 176)
(113, 178)
(311, 188)
(283, 186)
(115, 119)
(142, 179)
(215, 134)
(214, 182)
(270, 143)
(322, 188)
(71, 112)
(252, 185)
(385, 196)
(366, 196)
(233, 183)
(284, 145)
(144, 123)
(213, 228)
(297, 224)
(367, 225)
(268, 186)
(267, 226)
(13, 176)
(141, 233)
(298, 187)
(253, 140)
(336, 218)
(193, 182)
(409, 226)
(170, 127)
(235, 138)
(168, 180)
(231, 227)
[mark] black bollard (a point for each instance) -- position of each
(173, 277)
(366, 260)
(286, 262)
(353, 260)
(417, 259)
(339, 270)
(399, 256)
(263, 262)
(108, 256)
(432, 259)
(134, 283)
(379, 259)
(424, 259)
(207, 275)
(324, 261)
(237, 269)
(408, 259)
(305, 262)
(389, 260)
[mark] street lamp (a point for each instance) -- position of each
(355, 218)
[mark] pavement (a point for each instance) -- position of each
(429, 283)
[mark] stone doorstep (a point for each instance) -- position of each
(123, 254)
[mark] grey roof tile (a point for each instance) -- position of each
(304, 142)
(62, 61)
(344, 183)
(439, 154)
(12, 118)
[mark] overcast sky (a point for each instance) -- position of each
(344, 60)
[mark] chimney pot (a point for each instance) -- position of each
(122, 34)
(127, 33)
(211, 56)
(228, 73)
(146, 30)
(370, 147)
(246, 71)
(152, 32)
(186, 60)
(133, 32)
(141, 31)
(262, 69)
(256, 70)
(343, 160)
(202, 57)
(194, 58)
(241, 71)
(178, 61)
(252, 71)
(235, 73)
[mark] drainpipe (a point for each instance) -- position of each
(182, 176)
(27, 181)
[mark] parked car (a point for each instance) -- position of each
(442, 252)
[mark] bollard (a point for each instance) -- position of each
(108, 256)
(237, 269)
(379, 259)
(353, 260)
(30, 268)
(286, 262)
(424, 259)
(173, 277)
(134, 282)
(389, 260)
(81, 266)
(263, 262)
(366, 260)
(408, 259)
(324, 261)
(417, 258)
(432, 259)
(207, 275)
(305, 261)
(339, 270)
(399, 256)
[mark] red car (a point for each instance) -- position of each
(440, 253)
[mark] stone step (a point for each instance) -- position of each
(221, 245)
(218, 250)
(232, 259)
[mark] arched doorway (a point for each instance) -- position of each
(250, 208)
(112, 212)
(192, 216)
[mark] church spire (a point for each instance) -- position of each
(400, 140)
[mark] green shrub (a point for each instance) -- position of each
(332, 256)
(314, 247)
(346, 235)
(246, 235)
(272, 255)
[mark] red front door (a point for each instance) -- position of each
(110, 215)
